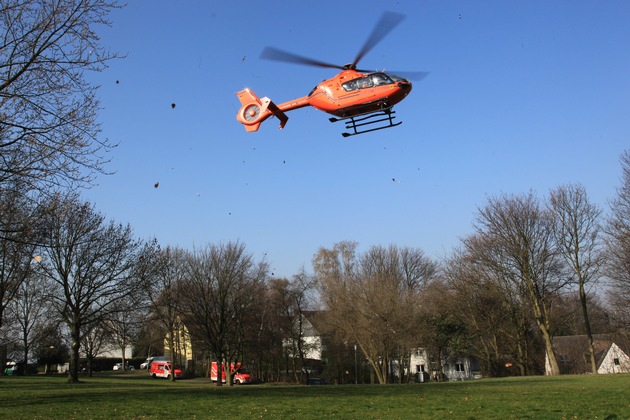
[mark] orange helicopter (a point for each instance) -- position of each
(361, 98)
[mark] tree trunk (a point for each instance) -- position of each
(73, 372)
(554, 369)
(542, 321)
(171, 344)
(220, 362)
(124, 358)
(89, 359)
(587, 325)
(26, 349)
(228, 373)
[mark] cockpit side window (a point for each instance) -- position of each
(370, 80)
(360, 83)
(350, 86)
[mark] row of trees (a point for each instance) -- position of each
(518, 280)
(529, 269)
(501, 296)
(532, 269)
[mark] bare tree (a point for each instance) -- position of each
(124, 323)
(292, 300)
(269, 328)
(18, 238)
(91, 263)
(31, 310)
(491, 308)
(373, 299)
(162, 285)
(51, 347)
(520, 248)
(618, 245)
(576, 232)
(48, 109)
(94, 340)
(219, 293)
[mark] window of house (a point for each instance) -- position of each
(616, 361)
(459, 367)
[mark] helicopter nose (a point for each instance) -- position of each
(405, 86)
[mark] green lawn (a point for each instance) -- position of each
(136, 396)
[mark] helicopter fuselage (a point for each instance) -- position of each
(348, 94)
(353, 93)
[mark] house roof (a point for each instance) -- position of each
(315, 320)
(573, 355)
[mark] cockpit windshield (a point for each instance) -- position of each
(370, 80)
(398, 78)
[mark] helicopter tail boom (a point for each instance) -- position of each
(255, 110)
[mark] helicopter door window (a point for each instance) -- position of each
(365, 82)
(350, 86)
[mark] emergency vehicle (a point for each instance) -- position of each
(162, 369)
(241, 375)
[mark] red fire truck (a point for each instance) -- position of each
(240, 374)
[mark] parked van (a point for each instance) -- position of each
(241, 375)
(146, 363)
(11, 368)
(162, 369)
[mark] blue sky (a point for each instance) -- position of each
(522, 95)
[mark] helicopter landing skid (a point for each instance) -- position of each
(356, 122)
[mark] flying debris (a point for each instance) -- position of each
(173, 105)
(157, 184)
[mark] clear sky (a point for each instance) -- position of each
(522, 95)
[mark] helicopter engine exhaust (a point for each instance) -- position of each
(255, 110)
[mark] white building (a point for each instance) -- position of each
(456, 368)
(311, 339)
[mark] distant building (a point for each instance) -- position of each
(183, 356)
(573, 355)
(309, 335)
(457, 368)
(113, 351)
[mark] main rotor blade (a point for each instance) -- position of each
(388, 21)
(409, 75)
(271, 53)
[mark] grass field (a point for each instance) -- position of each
(136, 396)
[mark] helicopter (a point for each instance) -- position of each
(362, 99)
